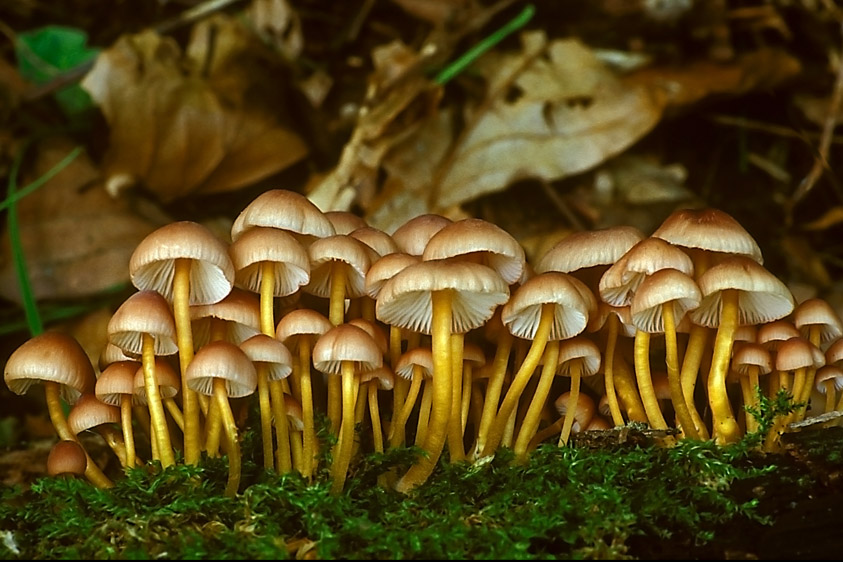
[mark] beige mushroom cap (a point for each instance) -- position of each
(88, 412)
(412, 236)
(167, 378)
(589, 248)
(67, 458)
(261, 245)
(116, 380)
(265, 349)
(421, 357)
(669, 287)
(521, 314)
(240, 311)
(341, 248)
(145, 312)
(343, 344)
(284, 210)
(225, 361)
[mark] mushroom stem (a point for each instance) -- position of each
(156, 408)
(440, 411)
(467, 376)
(126, 426)
(213, 430)
(402, 385)
(424, 413)
(724, 425)
(309, 431)
(677, 397)
(396, 431)
(690, 370)
(830, 392)
(283, 454)
(343, 448)
(456, 449)
(336, 315)
(531, 420)
(221, 399)
(267, 320)
(573, 398)
(748, 384)
(810, 376)
(92, 472)
(493, 389)
(645, 381)
(184, 336)
(609, 370)
(519, 381)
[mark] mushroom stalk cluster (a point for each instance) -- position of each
(439, 334)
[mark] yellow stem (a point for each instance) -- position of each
(533, 415)
(724, 425)
(677, 396)
(267, 323)
(456, 449)
(396, 429)
(184, 336)
(309, 431)
(343, 448)
(221, 400)
(467, 376)
(573, 398)
(424, 413)
(265, 416)
(213, 430)
(645, 381)
(690, 371)
(609, 371)
(336, 315)
(283, 454)
(493, 389)
(156, 408)
(628, 390)
(128, 431)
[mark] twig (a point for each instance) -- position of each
(821, 162)
(778, 130)
(74, 74)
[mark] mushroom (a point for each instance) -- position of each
(67, 459)
(415, 365)
(578, 357)
(829, 381)
(188, 265)
(750, 361)
(115, 386)
(58, 362)
(412, 236)
(819, 323)
(584, 413)
(222, 370)
(90, 414)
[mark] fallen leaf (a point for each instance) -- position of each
(76, 238)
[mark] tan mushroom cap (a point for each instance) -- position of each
(481, 241)
(261, 245)
(378, 334)
(67, 458)
(346, 343)
(112, 354)
(301, 322)
(88, 412)
(412, 236)
(818, 313)
(376, 239)
(338, 248)
(294, 412)
(53, 357)
(709, 229)
(226, 361)
(834, 353)
(619, 283)
(167, 378)
(796, 353)
(597, 320)
(585, 409)
(152, 265)
(762, 297)
(240, 311)
(521, 314)
(345, 222)
(116, 381)
(385, 269)
(145, 312)
(578, 350)
(265, 349)
(752, 355)
(772, 334)
(598, 423)
(589, 248)
(827, 373)
(284, 210)
(383, 376)
(406, 299)
(421, 357)
(669, 287)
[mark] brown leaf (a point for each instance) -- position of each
(76, 238)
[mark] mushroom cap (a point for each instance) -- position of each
(762, 297)
(412, 236)
(145, 312)
(383, 376)
(345, 222)
(421, 357)
(168, 380)
(834, 353)
(222, 360)
(112, 354)
(373, 330)
(260, 245)
(67, 458)
(53, 357)
(301, 322)
(294, 412)
(343, 344)
(116, 381)
(579, 350)
(284, 210)
(271, 352)
(88, 412)
(385, 269)
(709, 229)
(668, 287)
(472, 354)
(619, 283)
(240, 311)
(598, 423)
(796, 353)
(152, 265)
(597, 320)
(818, 314)
(406, 299)
(827, 373)
(340, 248)
(752, 355)
(772, 334)
(584, 410)
(481, 241)
(522, 313)
(376, 239)
(589, 248)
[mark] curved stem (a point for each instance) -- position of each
(690, 371)
(456, 448)
(92, 472)
(128, 431)
(396, 429)
(645, 381)
(336, 314)
(830, 391)
(677, 397)
(265, 416)
(628, 390)
(213, 430)
(283, 455)
(747, 394)
(519, 381)
(465, 403)
(533, 415)
(609, 370)
(156, 408)
(221, 400)
(424, 413)
(184, 336)
(343, 448)
(573, 398)
(309, 431)
(440, 410)
(267, 321)
(724, 425)
(493, 389)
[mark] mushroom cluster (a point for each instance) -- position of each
(440, 334)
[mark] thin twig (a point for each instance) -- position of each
(821, 162)
(76, 73)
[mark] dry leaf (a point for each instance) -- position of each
(277, 23)
(210, 121)
(831, 217)
(77, 239)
